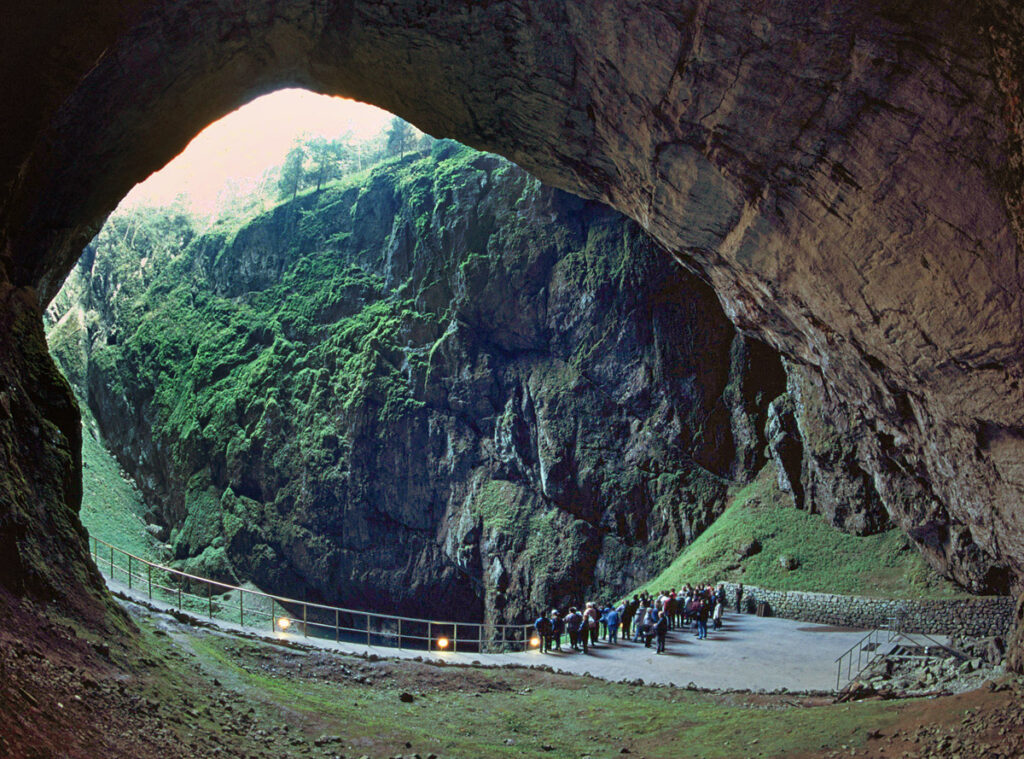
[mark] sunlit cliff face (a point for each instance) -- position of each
(847, 178)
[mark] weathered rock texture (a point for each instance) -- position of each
(848, 177)
(814, 443)
(973, 617)
(41, 539)
(442, 390)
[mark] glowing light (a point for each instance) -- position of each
(283, 623)
(442, 642)
(233, 153)
(535, 641)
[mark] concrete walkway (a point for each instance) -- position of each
(749, 653)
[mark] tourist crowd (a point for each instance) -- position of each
(643, 617)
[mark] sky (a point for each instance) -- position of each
(246, 142)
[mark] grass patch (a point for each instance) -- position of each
(885, 565)
(462, 712)
(112, 507)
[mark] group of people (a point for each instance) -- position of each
(642, 617)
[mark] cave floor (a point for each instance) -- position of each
(185, 691)
(748, 653)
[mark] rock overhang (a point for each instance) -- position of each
(846, 179)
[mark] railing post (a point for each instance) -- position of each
(430, 635)
(149, 579)
(455, 639)
(305, 625)
(241, 607)
(399, 633)
(111, 562)
(367, 628)
(209, 599)
(129, 571)
(337, 628)
(179, 596)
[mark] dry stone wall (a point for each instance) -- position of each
(978, 616)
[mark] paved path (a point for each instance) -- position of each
(749, 653)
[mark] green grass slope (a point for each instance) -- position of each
(882, 566)
(112, 507)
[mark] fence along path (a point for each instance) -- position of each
(750, 653)
(253, 608)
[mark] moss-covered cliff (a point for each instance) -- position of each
(435, 387)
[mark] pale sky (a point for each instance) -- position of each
(243, 144)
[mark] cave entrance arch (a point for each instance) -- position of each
(506, 295)
(811, 165)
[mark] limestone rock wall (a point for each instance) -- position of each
(442, 391)
(847, 177)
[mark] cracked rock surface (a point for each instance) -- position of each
(848, 180)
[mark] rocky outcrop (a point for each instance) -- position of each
(814, 442)
(40, 454)
(443, 390)
(848, 178)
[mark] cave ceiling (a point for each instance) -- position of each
(846, 175)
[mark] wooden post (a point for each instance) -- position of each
(399, 633)
(337, 628)
(430, 635)
(129, 571)
(241, 607)
(367, 628)
(111, 562)
(305, 627)
(455, 639)
(149, 579)
(209, 599)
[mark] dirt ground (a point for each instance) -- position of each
(165, 695)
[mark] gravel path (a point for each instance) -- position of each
(748, 653)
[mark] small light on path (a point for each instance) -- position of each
(283, 623)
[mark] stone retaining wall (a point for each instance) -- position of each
(978, 616)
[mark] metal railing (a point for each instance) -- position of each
(869, 650)
(866, 650)
(292, 617)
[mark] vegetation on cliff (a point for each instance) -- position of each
(761, 526)
(434, 377)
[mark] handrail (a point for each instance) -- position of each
(873, 637)
(498, 633)
(958, 654)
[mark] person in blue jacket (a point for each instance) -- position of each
(557, 628)
(543, 627)
(612, 618)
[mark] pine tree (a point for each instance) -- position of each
(400, 136)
